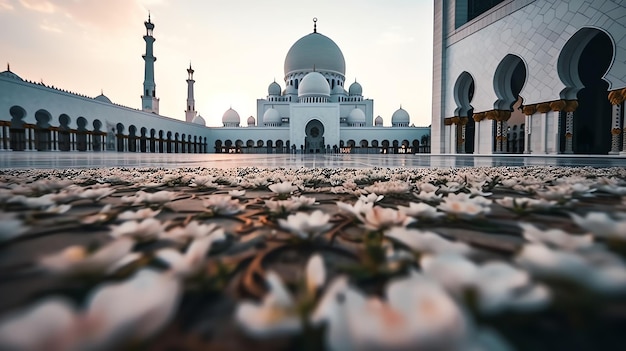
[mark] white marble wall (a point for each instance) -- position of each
(33, 97)
(537, 32)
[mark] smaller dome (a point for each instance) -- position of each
(271, 116)
(355, 89)
(290, 90)
(273, 89)
(251, 121)
(378, 121)
(338, 90)
(356, 116)
(103, 98)
(314, 84)
(231, 117)
(199, 120)
(400, 117)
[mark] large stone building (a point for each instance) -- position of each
(531, 76)
(314, 113)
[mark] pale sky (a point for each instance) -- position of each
(236, 47)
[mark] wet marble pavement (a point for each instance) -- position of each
(60, 160)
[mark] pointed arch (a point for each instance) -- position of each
(508, 81)
(463, 94)
(569, 60)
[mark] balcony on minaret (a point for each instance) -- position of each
(149, 27)
(190, 72)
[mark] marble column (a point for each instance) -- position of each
(543, 108)
(569, 132)
(455, 126)
(55, 137)
(616, 130)
(623, 149)
(554, 140)
(505, 136)
(499, 137)
(616, 98)
(31, 139)
(450, 130)
(527, 133)
(570, 107)
(529, 111)
(3, 138)
(463, 123)
(477, 118)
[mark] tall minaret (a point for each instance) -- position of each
(149, 101)
(190, 113)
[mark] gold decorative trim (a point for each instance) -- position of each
(571, 105)
(543, 107)
(616, 97)
(529, 110)
(491, 115)
(558, 105)
(504, 115)
(478, 116)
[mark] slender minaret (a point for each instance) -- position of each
(149, 101)
(190, 113)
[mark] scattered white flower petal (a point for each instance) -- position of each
(275, 315)
(426, 242)
(145, 230)
(556, 237)
(315, 274)
(76, 260)
(305, 225)
(222, 204)
(601, 225)
(420, 210)
(285, 188)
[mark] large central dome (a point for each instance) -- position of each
(315, 50)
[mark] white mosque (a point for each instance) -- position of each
(314, 113)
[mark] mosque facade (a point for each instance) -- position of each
(313, 113)
(529, 76)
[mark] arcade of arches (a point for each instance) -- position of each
(17, 135)
(350, 146)
(583, 118)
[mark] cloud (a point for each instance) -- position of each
(5, 6)
(110, 15)
(50, 27)
(38, 5)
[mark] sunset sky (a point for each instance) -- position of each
(236, 47)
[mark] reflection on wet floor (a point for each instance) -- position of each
(55, 160)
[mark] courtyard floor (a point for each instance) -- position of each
(311, 252)
(56, 160)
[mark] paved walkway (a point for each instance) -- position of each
(57, 160)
